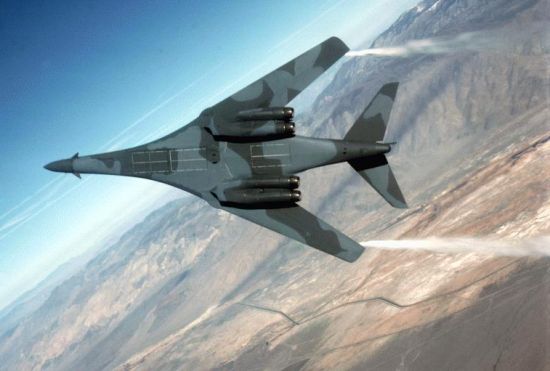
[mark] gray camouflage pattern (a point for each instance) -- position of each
(371, 127)
(253, 175)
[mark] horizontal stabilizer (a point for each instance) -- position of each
(377, 172)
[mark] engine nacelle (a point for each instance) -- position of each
(260, 196)
(253, 129)
(288, 182)
(269, 113)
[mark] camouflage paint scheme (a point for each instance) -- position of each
(254, 176)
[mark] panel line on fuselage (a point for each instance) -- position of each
(269, 155)
(169, 161)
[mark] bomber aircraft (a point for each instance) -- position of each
(242, 155)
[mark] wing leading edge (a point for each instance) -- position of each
(302, 226)
(283, 84)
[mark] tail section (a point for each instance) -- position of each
(371, 128)
(377, 172)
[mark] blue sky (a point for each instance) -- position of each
(100, 75)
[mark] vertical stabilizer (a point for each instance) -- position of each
(371, 125)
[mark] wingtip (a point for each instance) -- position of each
(353, 257)
(336, 42)
(351, 253)
(390, 89)
(402, 205)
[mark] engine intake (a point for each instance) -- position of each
(269, 113)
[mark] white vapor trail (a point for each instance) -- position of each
(509, 40)
(461, 42)
(537, 246)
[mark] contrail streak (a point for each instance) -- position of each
(40, 190)
(43, 201)
(509, 40)
(285, 41)
(307, 25)
(424, 46)
(25, 210)
(108, 145)
(537, 246)
(41, 205)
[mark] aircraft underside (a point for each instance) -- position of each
(242, 155)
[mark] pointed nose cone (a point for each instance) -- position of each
(61, 166)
